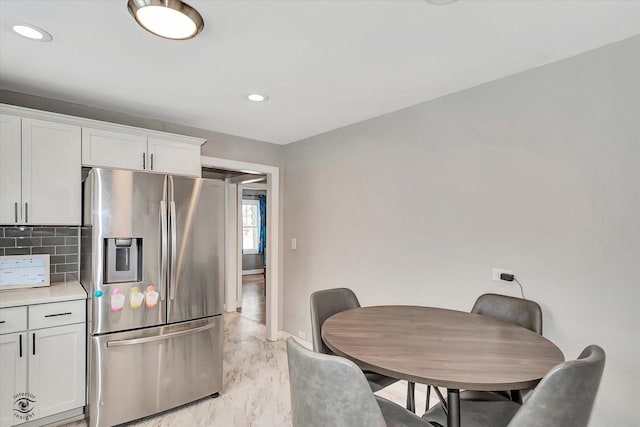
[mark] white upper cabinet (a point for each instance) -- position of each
(41, 172)
(51, 173)
(113, 149)
(10, 169)
(174, 157)
(121, 150)
(42, 154)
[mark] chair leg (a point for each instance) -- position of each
(516, 396)
(442, 400)
(411, 399)
(426, 408)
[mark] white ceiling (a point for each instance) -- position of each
(324, 64)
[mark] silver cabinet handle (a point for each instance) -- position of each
(58, 314)
(26, 212)
(151, 161)
(15, 209)
(121, 343)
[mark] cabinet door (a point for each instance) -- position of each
(57, 368)
(13, 379)
(51, 173)
(10, 193)
(108, 149)
(174, 157)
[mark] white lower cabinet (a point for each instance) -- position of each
(13, 375)
(57, 369)
(42, 369)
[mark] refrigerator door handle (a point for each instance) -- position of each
(172, 272)
(164, 247)
(121, 343)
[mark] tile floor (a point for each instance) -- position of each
(256, 385)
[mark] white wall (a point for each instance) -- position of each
(538, 173)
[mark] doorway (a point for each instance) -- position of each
(252, 228)
(233, 270)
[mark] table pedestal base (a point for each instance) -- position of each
(453, 403)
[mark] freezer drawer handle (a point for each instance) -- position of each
(58, 314)
(159, 337)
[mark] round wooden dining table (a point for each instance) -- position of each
(443, 348)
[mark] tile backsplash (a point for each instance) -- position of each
(59, 242)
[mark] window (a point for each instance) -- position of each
(250, 226)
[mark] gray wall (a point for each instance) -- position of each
(538, 172)
(218, 144)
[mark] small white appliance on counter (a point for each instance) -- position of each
(24, 271)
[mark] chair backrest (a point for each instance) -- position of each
(325, 304)
(519, 311)
(566, 394)
(329, 391)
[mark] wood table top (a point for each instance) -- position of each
(440, 347)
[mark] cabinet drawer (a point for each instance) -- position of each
(56, 314)
(13, 319)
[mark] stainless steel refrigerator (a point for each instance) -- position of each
(152, 262)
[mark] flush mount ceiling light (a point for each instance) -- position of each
(257, 97)
(171, 19)
(32, 32)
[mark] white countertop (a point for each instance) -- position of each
(56, 292)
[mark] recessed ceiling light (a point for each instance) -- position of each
(257, 97)
(171, 19)
(32, 32)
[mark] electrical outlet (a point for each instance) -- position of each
(302, 335)
(497, 272)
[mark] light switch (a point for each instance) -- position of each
(293, 243)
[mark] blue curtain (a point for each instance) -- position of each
(262, 230)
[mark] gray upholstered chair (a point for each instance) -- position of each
(522, 312)
(519, 311)
(325, 304)
(564, 398)
(332, 391)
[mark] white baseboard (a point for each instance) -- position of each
(256, 271)
(284, 335)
